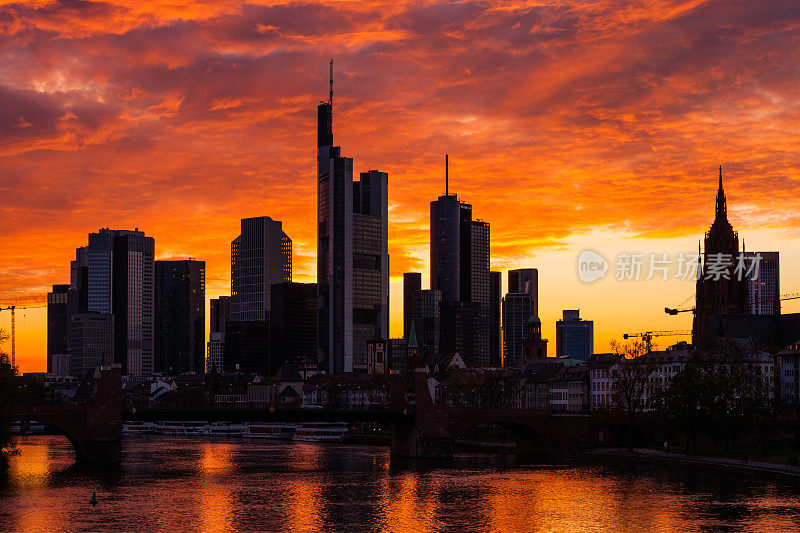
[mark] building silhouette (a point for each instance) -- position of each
(293, 324)
(220, 313)
(460, 264)
(412, 282)
(525, 280)
(260, 256)
(120, 282)
(517, 309)
(57, 323)
(352, 253)
(763, 283)
(721, 290)
(574, 336)
(91, 342)
(180, 317)
(495, 313)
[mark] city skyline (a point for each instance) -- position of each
(620, 192)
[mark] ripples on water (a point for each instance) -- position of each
(168, 484)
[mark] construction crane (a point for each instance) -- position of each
(647, 336)
(13, 308)
(683, 309)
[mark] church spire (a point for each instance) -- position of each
(722, 209)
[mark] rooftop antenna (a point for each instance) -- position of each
(446, 174)
(330, 98)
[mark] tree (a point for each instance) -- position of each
(7, 390)
(630, 376)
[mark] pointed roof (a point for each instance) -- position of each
(412, 337)
(722, 208)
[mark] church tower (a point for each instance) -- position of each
(721, 289)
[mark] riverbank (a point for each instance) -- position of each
(715, 465)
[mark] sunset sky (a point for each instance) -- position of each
(569, 125)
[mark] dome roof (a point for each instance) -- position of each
(534, 320)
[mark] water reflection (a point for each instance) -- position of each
(222, 485)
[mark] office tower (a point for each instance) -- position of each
(260, 256)
(352, 254)
(451, 239)
(525, 280)
(79, 282)
(120, 282)
(180, 316)
(426, 317)
(480, 291)
(216, 352)
(459, 321)
(91, 342)
(293, 323)
(495, 295)
(724, 293)
(574, 336)
(57, 323)
(397, 354)
(220, 309)
(370, 263)
(763, 283)
(412, 282)
(460, 265)
(517, 310)
(247, 347)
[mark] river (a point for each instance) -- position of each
(178, 484)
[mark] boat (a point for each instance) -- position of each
(182, 428)
(321, 432)
(137, 426)
(269, 430)
(224, 429)
(16, 427)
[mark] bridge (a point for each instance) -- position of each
(94, 427)
(423, 429)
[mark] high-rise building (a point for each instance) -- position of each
(574, 336)
(220, 309)
(79, 282)
(720, 289)
(215, 360)
(57, 323)
(412, 282)
(480, 291)
(352, 254)
(293, 323)
(525, 280)
(91, 342)
(121, 282)
(763, 282)
(247, 347)
(180, 330)
(260, 256)
(517, 310)
(460, 263)
(426, 317)
(495, 295)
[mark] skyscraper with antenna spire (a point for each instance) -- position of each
(352, 253)
(460, 266)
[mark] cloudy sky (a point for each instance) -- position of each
(569, 125)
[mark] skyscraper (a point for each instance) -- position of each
(352, 253)
(412, 282)
(220, 309)
(460, 264)
(525, 280)
(120, 282)
(57, 323)
(724, 292)
(426, 317)
(91, 342)
(763, 283)
(260, 256)
(495, 296)
(180, 317)
(293, 323)
(517, 310)
(574, 336)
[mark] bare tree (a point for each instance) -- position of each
(630, 377)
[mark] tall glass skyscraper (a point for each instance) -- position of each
(352, 254)
(120, 282)
(260, 256)
(180, 316)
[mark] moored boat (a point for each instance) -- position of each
(269, 430)
(321, 432)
